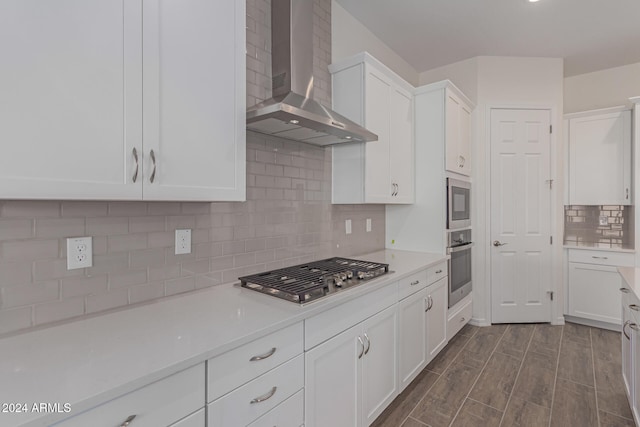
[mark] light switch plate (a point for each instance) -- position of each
(183, 241)
(79, 252)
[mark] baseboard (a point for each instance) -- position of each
(593, 323)
(479, 322)
(558, 322)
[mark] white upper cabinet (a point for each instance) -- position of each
(194, 99)
(382, 171)
(600, 157)
(457, 133)
(73, 120)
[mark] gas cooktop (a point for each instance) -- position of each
(307, 282)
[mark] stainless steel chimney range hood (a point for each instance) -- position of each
(292, 113)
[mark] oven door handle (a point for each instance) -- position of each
(459, 248)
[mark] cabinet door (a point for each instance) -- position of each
(377, 183)
(71, 85)
(332, 372)
(379, 364)
(452, 132)
(600, 159)
(401, 156)
(194, 102)
(464, 143)
(627, 357)
(437, 318)
(593, 292)
(634, 332)
(412, 337)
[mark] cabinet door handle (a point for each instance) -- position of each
(128, 421)
(153, 159)
(462, 320)
(600, 257)
(368, 343)
(430, 302)
(263, 356)
(624, 290)
(397, 189)
(438, 271)
(627, 191)
(135, 157)
(461, 161)
(635, 307)
(266, 396)
(623, 329)
(361, 351)
(426, 301)
(417, 282)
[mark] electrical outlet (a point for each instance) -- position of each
(79, 252)
(603, 220)
(368, 225)
(347, 226)
(183, 241)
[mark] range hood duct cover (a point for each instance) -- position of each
(292, 113)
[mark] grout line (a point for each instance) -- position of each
(593, 369)
(439, 377)
(515, 382)
(617, 415)
(418, 421)
(425, 394)
(555, 382)
(479, 375)
(483, 404)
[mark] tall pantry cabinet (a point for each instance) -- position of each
(122, 100)
(442, 147)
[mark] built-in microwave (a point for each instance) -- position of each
(458, 204)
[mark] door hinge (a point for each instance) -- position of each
(551, 240)
(550, 128)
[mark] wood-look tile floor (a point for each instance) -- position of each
(518, 375)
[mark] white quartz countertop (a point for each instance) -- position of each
(89, 361)
(596, 248)
(631, 276)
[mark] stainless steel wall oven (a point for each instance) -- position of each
(459, 248)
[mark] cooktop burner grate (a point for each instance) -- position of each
(305, 282)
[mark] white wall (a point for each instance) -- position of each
(349, 36)
(518, 83)
(600, 89)
(463, 74)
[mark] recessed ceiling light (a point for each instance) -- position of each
(294, 122)
(348, 137)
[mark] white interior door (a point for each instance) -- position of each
(520, 216)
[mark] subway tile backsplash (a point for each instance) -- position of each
(287, 219)
(603, 226)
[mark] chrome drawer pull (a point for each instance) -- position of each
(438, 271)
(635, 307)
(361, 352)
(600, 257)
(135, 156)
(263, 356)
(624, 290)
(368, 343)
(264, 397)
(462, 320)
(417, 282)
(625, 332)
(127, 421)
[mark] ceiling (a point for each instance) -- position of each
(589, 34)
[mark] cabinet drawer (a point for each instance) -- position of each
(289, 413)
(193, 420)
(252, 400)
(158, 404)
(412, 284)
(239, 366)
(626, 259)
(459, 318)
(330, 323)
(436, 272)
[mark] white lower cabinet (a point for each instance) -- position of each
(593, 284)
(289, 413)
(631, 351)
(351, 378)
(412, 336)
(437, 297)
(161, 403)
